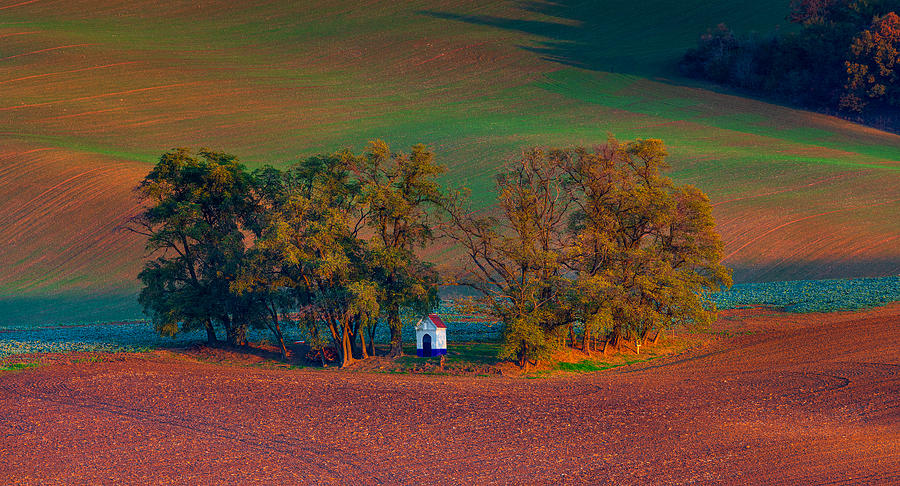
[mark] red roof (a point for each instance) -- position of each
(437, 321)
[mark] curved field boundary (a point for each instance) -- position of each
(794, 398)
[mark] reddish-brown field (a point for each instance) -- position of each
(62, 220)
(796, 399)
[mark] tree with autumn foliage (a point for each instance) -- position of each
(873, 64)
(598, 240)
(328, 244)
(402, 198)
(842, 56)
(310, 252)
(516, 253)
(336, 251)
(645, 254)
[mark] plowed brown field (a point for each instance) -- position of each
(797, 399)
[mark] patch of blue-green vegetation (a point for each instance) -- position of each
(142, 337)
(794, 296)
(813, 295)
(111, 338)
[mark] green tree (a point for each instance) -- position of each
(197, 220)
(516, 253)
(261, 276)
(311, 250)
(401, 197)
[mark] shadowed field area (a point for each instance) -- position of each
(796, 399)
(94, 91)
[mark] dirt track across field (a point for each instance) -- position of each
(787, 399)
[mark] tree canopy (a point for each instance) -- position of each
(197, 220)
(402, 198)
(872, 65)
(597, 239)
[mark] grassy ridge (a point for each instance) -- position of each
(93, 91)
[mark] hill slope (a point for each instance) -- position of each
(93, 91)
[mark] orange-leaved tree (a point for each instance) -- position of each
(872, 68)
(596, 240)
(646, 252)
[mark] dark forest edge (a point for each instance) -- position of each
(843, 59)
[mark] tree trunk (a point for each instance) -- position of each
(586, 341)
(281, 343)
(572, 336)
(372, 329)
(276, 330)
(396, 328)
(210, 332)
(644, 334)
(335, 340)
(237, 335)
(353, 323)
(363, 347)
(346, 348)
(332, 326)
(316, 341)
(616, 336)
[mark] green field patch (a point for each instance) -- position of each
(620, 92)
(636, 95)
(87, 147)
(589, 365)
(18, 366)
(475, 353)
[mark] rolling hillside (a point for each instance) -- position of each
(92, 92)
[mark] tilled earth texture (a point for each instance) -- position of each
(779, 399)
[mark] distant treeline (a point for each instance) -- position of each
(844, 57)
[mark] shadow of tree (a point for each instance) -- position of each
(645, 38)
(817, 269)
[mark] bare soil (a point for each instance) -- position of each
(772, 398)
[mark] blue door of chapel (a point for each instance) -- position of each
(426, 345)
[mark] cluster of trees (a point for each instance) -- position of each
(328, 244)
(844, 55)
(590, 247)
(583, 247)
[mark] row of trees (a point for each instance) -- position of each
(581, 244)
(844, 55)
